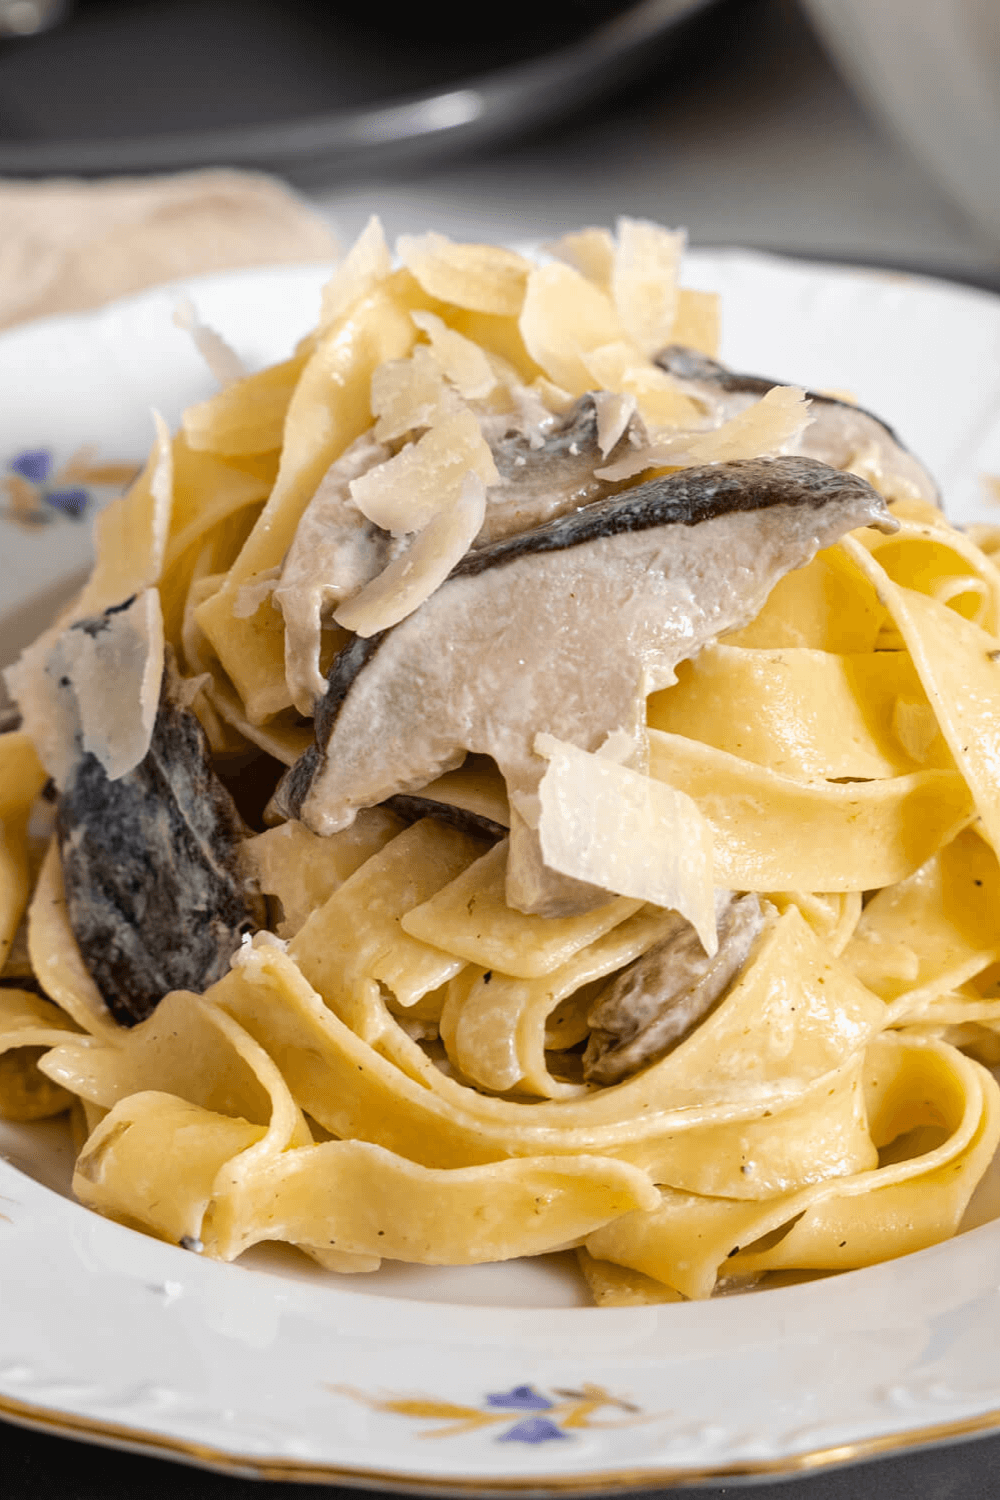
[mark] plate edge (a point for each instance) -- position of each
(305, 1471)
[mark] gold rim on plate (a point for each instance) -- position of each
(290, 1470)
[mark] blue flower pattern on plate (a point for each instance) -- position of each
(38, 494)
(566, 1412)
(520, 1398)
(533, 1430)
(34, 465)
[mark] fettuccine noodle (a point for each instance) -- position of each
(397, 1063)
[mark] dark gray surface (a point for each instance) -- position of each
(304, 86)
(36, 1465)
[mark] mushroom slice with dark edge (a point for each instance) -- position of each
(472, 799)
(154, 894)
(656, 1002)
(539, 481)
(838, 434)
(565, 629)
(337, 550)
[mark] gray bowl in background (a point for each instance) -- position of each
(308, 89)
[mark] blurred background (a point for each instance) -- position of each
(842, 129)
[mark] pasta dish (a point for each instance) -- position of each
(512, 784)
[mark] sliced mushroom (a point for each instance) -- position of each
(472, 799)
(336, 550)
(412, 808)
(153, 892)
(839, 434)
(656, 1002)
(539, 483)
(564, 629)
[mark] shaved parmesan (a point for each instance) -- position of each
(563, 318)
(224, 363)
(614, 412)
(553, 397)
(644, 281)
(506, 375)
(333, 555)
(696, 325)
(366, 264)
(48, 713)
(620, 746)
(661, 399)
(534, 406)
(117, 682)
(403, 494)
(767, 428)
(589, 251)
(838, 393)
(410, 393)
(483, 278)
(94, 688)
(423, 567)
(615, 828)
(464, 363)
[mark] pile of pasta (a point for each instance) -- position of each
(392, 1071)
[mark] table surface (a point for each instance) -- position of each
(747, 137)
(33, 1464)
(750, 138)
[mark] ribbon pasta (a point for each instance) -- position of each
(394, 1069)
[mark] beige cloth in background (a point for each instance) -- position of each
(68, 244)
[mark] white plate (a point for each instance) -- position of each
(269, 1366)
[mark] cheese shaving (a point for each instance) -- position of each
(329, 560)
(614, 412)
(563, 318)
(117, 683)
(366, 264)
(47, 714)
(534, 407)
(411, 578)
(464, 363)
(483, 278)
(408, 394)
(769, 427)
(94, 688)
(589, 251)
(644, 282)
(426, 477)
(696, 324)
(661, 399)
(224, 363)
(617, 829)
(553, 397)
